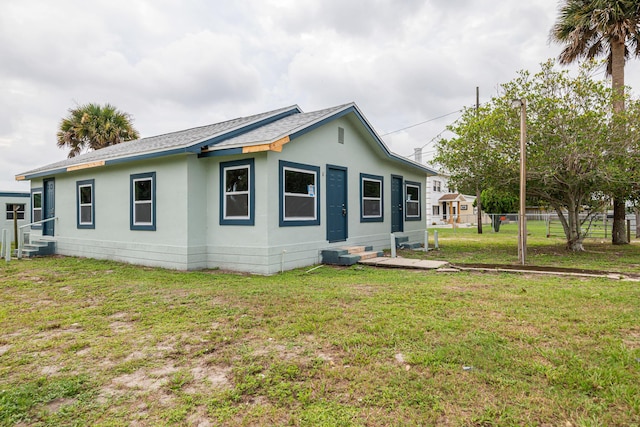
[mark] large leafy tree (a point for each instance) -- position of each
(94, 126)
(609, 28)
(577, 150)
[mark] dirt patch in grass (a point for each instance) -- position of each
(631, 339)
(56, 404)
(4, 348)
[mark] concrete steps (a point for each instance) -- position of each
(402, 242)
(349, 255)
(38, 248)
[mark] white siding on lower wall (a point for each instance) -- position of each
(262, 260)
(152, 255)
(257, 260)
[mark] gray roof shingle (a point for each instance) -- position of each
(258, 129)
(278, 129)
(160, 143)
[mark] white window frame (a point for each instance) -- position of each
(35, 209)
(314, 194)
(135, 223)
(142, 202)
(236, 193)
(365, 198)
(408, 201)
(81, 205)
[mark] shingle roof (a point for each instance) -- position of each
(278, 129)
(166, 142)
(230, 135)
(452, 197)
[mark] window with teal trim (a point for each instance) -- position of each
(299, 192)
(237, 192)
(371, 191)
(412, 204)
(85, 204)
(143, 201)
(36, 207)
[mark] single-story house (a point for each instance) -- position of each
(13, 204)
(457, 208)
(256, 194)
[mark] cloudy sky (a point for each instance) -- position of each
(179, 64)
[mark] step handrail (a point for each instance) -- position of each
(21, 233)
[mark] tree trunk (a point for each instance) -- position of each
(479, 205)
(637, 223)
(572, 227)
(618, 232)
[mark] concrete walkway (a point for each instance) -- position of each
(398, 262)
(444, 266)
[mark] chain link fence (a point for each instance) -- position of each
(597, 227)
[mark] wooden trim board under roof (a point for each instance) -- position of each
(85, 166)
(272, 146)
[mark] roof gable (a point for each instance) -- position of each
(452, 197)
(274, 135)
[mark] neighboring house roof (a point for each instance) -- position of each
(452, 197)
(14, 194)
(266, 131)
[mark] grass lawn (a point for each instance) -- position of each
(465, 245)
(86, 342)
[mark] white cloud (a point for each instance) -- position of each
(175, 65)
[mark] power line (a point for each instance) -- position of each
(421, 123)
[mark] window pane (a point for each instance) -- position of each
(299, 207)
(237, 205)
(37, 215)
(37, 200)
(85, 194)
(412, 209)
(298, 182)
(371, 207)
(237, 180)
(142, 213)
(11, 206)
(371, 188)
(85, 215)
(143, 190)
(412, 193)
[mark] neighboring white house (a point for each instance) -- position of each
(445, 205)
(257, 194)
(14, 204)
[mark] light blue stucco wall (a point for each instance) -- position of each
(266, 247)
(188, 232)
(112, 237)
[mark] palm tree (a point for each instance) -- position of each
(595, 28)
(92, 126)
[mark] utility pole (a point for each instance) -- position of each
(478, 201)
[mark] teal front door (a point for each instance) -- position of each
(337, 217)
(49, 206)
(397, 223)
